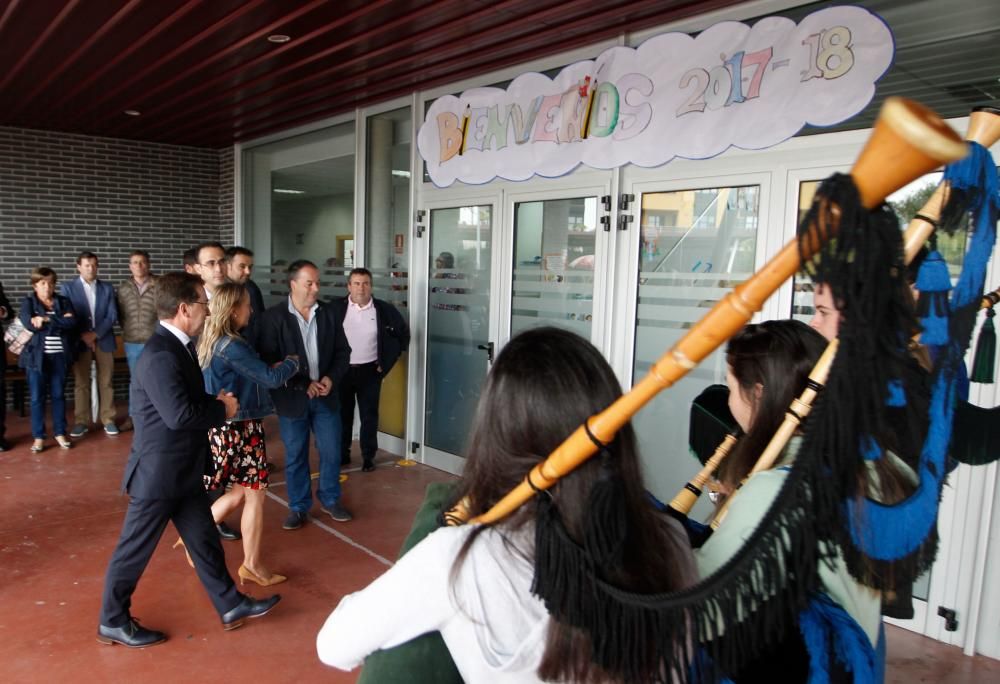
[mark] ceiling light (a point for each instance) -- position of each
(133, 112)
(279, 38)
(284, 191)
(401, 174)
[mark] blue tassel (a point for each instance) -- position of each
(870, 449)
(891, 532)
(934, 283)
(897, 394)
(827, 627)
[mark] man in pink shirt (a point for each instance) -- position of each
(378, 334)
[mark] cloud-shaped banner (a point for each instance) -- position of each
(673, 96)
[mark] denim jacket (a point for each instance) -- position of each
(236, 367)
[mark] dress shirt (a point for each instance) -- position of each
(90, 290)
(361, 328)
(308, 330)
(141, 288)
(179, 334)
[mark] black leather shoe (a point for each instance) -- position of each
(227, 532)
(249, 607)
(294, 521)
(368, 465)
(131, 634)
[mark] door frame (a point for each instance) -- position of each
(420, 278)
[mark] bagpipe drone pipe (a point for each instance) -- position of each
(721, 622)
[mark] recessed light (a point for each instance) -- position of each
(279, 38)
(400, 174)
(133, 112)
(283, 191)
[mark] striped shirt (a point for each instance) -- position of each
(53, 342)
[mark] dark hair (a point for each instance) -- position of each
(296, 266)
(173, 289)
(43, 273)
(85, 255)
(206, 245)
(778, 355)
(543, 385)
(236, 251)
(447, 259)
(140, 252)
(190, 256)
(360, 272)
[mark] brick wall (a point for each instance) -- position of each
(62, 193)
(226, 189)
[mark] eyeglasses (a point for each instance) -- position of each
(198, 301)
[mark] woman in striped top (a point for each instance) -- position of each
(48, 354)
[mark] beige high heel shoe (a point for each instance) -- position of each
(180, 543)
(38, 445)
(246, 574)
(63, 442)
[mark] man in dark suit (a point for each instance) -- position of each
(307, 402)
(239, 269)
(163, 476)
(96, 314)
(378, 334)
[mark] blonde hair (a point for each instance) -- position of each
(220, 322)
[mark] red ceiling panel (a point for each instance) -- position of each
(203, 72)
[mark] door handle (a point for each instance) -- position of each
(488, 348)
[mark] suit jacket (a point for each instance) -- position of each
(172, 414)
(279, 336)
(392, 332)
(105, 312)
(252, 331)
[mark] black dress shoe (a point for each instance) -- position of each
(295, 520)
(368, 465)
(249, 607)
(228, 533)
(131, 634)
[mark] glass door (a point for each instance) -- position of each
(557, 260)
(695, 243)
(458, 340)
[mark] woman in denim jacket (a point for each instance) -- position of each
(48, 354)
(238, 449)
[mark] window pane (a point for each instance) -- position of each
(554, 244)
(696, 246)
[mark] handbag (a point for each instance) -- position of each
(16, 336)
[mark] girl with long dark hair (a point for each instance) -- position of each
(474, 583)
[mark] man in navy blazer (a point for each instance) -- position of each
(96, 314)
(308, 402)
(163, 476)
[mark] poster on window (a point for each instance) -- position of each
(732, 85)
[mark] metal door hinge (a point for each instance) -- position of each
(606, 202)
(606, 222)
(624, 220)
(418, 228)
(414, 447)
(624, 200)
(950, 619)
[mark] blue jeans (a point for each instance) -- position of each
(132, 351)
(325, 424)
(51, 380)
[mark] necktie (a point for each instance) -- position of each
(192, 350)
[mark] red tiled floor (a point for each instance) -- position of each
(60, 516)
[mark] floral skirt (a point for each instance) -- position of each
(239, 456)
